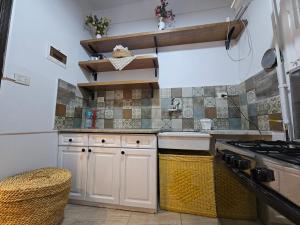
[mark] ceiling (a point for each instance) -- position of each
(106, 4)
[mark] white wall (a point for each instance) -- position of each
(259, 16)
(180, 66)
(36, 24)
(19, 153)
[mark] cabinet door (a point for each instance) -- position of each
(103, 175)
(139, 178)
(75, 160)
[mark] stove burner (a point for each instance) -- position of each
(282, 150)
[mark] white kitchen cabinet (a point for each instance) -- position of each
(138, 178)
(75, 160)
(106, 173)
(103, 179)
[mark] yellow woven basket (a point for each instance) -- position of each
(35, 198)
(187, 184)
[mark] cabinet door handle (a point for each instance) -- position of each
(103, 141)
(122, 152)
(83, 150)
(90, 150)
(138, 142)
(70, 140)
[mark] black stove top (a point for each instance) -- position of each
(281, 150)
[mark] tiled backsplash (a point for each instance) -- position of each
(257, 99)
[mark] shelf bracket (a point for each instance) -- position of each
(156, 72)
(95, 76)
(156, 46)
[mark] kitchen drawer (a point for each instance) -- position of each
(73, 139)
(105, 140)
(139, 141)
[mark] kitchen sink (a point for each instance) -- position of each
(184, 140)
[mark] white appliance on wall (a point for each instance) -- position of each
(240, 6)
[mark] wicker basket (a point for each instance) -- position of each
(233, 200)
(121, 53)
(187, 184)
(35, 198)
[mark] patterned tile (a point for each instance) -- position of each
(197, 125)
(109, 95)
(245, 124)
(233, 101)
(118, 113)
(263, 108)
(243, 99)
(221, 102)
(187, 102)
(118, 103)
(251, 97)
(127, 94)
(222, 112)
(198, 101)
(263, 122)
(198, 91)
(210, 102)
(100, 113)
(146, 102)
(235, 123)
(176, 115)
(136, 113)
(266, 86)
(146, 93)
(198, 112)
(221, 124)
(136, 124)
(209, 92)
(127, 114)
(187, 92)
(211, 112)
(187, 113)
(77, 123)
(136, 103)
(165, 93)
(156, 113)
(70, 111)
(252, 110)
(275, 122)
(155, 102)
(100, 123)
(127, 124)
(234, 112)
(165, 103)
(109, 114)
(177, 124)
(109, 104)
(59, 122)
(176, 92)
(60, 110)
(78, 112)
(188, 124)
(253, 123)
(136, 94)
(220, 89)
(166, 125)
(274, 105)
(146, 124)
(127, 104)
(233, 90)
(118, 123)
(146, 113)
(118, 95)
(156, 124)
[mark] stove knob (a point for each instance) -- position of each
(261, 174)
(244, 164)
(229, 158)
(235, 161)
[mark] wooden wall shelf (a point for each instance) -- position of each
(153, 84)
(178, 36)
(104, 65)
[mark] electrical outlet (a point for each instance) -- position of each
(22, 79)
(222, 94)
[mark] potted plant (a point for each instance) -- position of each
(164, 15)
(99, 26)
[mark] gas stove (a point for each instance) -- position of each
(281, 150)
(271, 169)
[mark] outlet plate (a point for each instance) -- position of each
(22, 79)
(220, 94)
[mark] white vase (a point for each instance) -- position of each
(98, 36)
(161, 24)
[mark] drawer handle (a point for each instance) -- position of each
(138, 142)
(70, 140)
(122, 152)
(83, 150)
(90, 150)
(103, 141)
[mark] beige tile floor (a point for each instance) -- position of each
(84, 215)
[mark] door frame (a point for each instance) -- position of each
(5, 15)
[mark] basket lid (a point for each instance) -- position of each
(34, 184)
